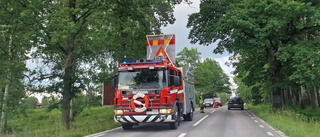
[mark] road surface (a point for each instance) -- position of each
(219, 122)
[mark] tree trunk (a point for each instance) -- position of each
(69, 71)
(71, 112)
(303, 96)
(317, 97)
(67, 94)
(313, 98)
(274, 71)
(3, 126)
(4, 110)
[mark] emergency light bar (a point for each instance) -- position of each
(141, 61)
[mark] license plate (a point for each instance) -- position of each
(153, 111)
(207, 105)
(235, 104)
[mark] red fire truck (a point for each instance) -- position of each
(149, 91)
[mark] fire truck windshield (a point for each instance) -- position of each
(143, 79)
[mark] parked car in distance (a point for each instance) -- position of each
(235, 102)
(218, 101)
(208, 102)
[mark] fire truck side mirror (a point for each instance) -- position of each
(115, 81)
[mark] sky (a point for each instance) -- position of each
(179, 28)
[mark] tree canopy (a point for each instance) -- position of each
(276, 42)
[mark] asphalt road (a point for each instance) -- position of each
(219, 122)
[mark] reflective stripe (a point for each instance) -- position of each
(151, 118)
(173, 91)
(143, 118)
(181, 91)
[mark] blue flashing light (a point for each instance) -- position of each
(146, 61)
(129, 62)
(154, 61)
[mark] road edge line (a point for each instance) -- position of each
(280, 133)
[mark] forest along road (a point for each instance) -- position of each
(219, 122)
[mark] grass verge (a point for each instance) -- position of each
(39, 123)
(292, 121)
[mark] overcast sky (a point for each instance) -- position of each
(179, 28)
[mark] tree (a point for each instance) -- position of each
(210, 78)
(259, 30)
(72, 34)
(188, 58)
(16, 38)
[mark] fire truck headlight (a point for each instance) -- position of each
(165, 111)
(118, 112)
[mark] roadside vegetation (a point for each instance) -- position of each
(40, 123)
(291, 120)
(209, 77)
(69, 47)
(276, 56)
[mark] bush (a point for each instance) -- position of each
(79, 104)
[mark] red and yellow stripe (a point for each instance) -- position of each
(161, 42)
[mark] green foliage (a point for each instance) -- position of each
(79, 104)
(39, 122)
(293, 121)
(224, 97)
(275, 42)
(188, 58)
(30, 103)
(210, 79)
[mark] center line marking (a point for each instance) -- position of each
(212, 111)
(252, 117)
(261, 126)
(182, 134)
(249, 115)
(255, 121)
(270, 134)
(200, 120)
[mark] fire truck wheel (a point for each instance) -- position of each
(174, 125)
(127, 126)
(189, 116)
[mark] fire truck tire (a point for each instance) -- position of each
(189, 116)
(174, 125)
(126, 126)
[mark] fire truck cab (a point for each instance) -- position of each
(153, 91)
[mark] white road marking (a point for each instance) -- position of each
(249, 115)
(200, 120)
(102, 133)
(182, 134)
(261, 126)
(252, 117)
(256, 121)
(212, 111)
(270, 134)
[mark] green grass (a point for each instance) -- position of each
(39, 123)
(292, 121)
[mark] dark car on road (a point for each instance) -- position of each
(208, 102)
(235, 102)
